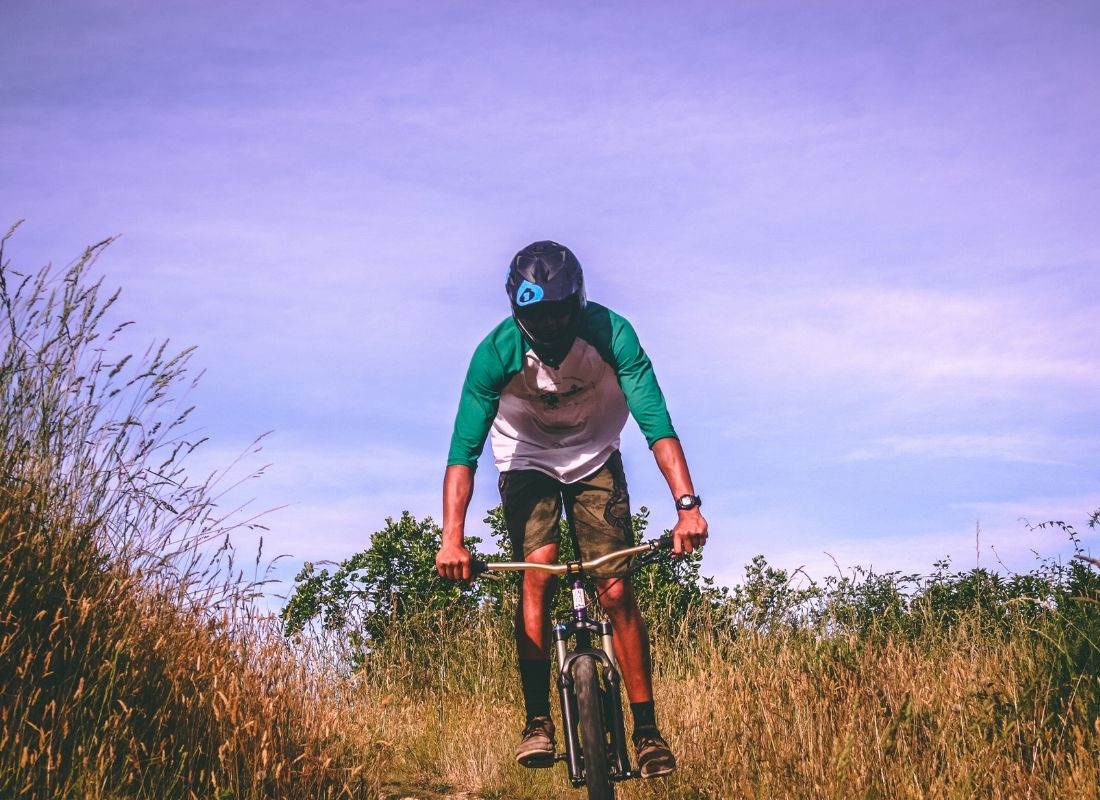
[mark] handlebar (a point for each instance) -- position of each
(480, 567)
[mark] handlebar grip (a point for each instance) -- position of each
(665, 542)
(476, 568)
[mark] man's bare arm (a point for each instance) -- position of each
(690, 531)
(453, 559)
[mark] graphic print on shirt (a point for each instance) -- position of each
(561, 401)
(563, 395)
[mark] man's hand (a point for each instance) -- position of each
(453, 561)
(690, 532)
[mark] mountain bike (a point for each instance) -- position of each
(589, 685)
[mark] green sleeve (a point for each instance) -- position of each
(495, 361)
(638, 381)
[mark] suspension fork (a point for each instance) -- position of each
(613, 712)
(567, 697)
(580, 628)
(611, 695)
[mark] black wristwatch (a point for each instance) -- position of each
(688, 501)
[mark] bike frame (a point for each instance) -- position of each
(580, 628)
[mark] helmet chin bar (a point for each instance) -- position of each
(550, 351)
(553, 355)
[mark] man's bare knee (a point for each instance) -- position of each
(616, 595)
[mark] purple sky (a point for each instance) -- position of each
(860, 244)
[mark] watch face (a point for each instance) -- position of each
(687, 502)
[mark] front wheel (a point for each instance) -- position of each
(593, 733)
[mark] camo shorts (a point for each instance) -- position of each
(532, 502)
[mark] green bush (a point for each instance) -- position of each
(366, 596)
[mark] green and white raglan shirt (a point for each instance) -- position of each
(565, 422)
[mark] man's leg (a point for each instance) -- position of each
(536, 748)
(532, 509)
(533, 633)
(601, 509)
(631, 648)
(655, 758)
(631, 637)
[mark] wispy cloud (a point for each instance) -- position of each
(915, 338)
(1023, 448)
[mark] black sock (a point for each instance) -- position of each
(644, 715)
(534, 674)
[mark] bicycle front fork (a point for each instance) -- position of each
(611, 694)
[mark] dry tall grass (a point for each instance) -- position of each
(764, 715)
(133, 664)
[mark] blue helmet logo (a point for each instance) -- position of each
(528, 293)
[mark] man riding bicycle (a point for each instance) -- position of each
(554, 382)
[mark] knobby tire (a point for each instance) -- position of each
(593, 733)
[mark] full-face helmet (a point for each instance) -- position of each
(546, 289)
